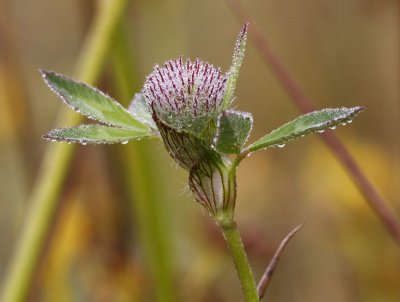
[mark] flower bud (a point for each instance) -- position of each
(186, 100)
(214, 187)
(185, 96)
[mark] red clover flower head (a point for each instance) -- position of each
(185, 95)
(189, 102)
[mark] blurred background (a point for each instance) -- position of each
(343, 53)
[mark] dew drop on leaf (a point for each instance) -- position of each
(280, 145)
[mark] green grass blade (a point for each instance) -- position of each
(146, 184)
(52, 173)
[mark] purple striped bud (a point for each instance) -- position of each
(185, 95)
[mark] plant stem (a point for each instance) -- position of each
(243, 269)
(43, 199)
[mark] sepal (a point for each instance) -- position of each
(233, 130)
(213, 186)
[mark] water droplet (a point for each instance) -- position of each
(333, 127)
(344, 124)
(321, 131)
(124, 142)
(349, 121)
(83, 143)
(280, 145)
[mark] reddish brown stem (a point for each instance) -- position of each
(266, 277)
(375, 200)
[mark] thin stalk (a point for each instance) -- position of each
(269, 271)
(52, 173)
(375, 200)
(145, 187)
(243, 269)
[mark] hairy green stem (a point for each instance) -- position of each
(226, 221)
(242, 155)
(44, 197)
(145, 186)
(243, 269)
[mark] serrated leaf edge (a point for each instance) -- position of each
(45, 74)
(233, 72)
(334, 122)
(54, 138)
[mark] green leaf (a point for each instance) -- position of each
(139, 109)
(233, 73)
(305, 124)
(95, 134)
(233, 129)
(91, 102)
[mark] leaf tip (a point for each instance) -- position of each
(42, 72)
(49, 78)
(359, 109)
(46, 74)
(50, 137)
(355, 111)
(243, 33)
(238, 52)
(46, 137)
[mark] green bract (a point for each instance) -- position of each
(187, 104)
(233, 129)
